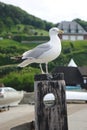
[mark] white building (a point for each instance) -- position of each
(72, 31)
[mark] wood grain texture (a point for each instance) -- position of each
(52, 117)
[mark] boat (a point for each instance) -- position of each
(71, 96)
(10, 97)
(76, 96)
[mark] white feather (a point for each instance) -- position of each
(44, 53)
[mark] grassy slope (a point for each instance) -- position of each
(78, 52)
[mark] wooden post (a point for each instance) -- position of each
(50, 115)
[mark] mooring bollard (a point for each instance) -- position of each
(50, 102)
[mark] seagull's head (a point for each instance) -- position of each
(55, 31)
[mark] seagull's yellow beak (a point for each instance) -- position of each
(60, 31)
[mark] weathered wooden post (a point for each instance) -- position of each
(50, 102)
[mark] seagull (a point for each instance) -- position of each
(45, 52)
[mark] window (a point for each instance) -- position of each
(73, 38)
(73, 31)
(85, 80)
(80, 38)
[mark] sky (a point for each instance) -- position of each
(53, 11)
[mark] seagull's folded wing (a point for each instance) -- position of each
(39, 50)
(34, 54)
(25, 54)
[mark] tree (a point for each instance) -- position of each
(1, 26)
(9, 22)
(82, 23)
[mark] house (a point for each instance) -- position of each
(73, 75)
(72, 31)
(83, 71)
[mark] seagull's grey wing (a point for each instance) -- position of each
(39, 50)
(25, 54)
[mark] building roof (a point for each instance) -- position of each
(71, 27)
(83, 71)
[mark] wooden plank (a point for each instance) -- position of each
(52, 117)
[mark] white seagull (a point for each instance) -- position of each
(45, 52)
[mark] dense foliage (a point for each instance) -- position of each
(11, 16)
(30, 38)
(19, 79)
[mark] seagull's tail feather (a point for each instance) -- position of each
(26, 62)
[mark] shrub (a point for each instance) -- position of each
(30, 38)
(21, 80)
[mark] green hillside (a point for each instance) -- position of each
(15, 20)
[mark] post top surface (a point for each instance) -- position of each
(55, 76)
